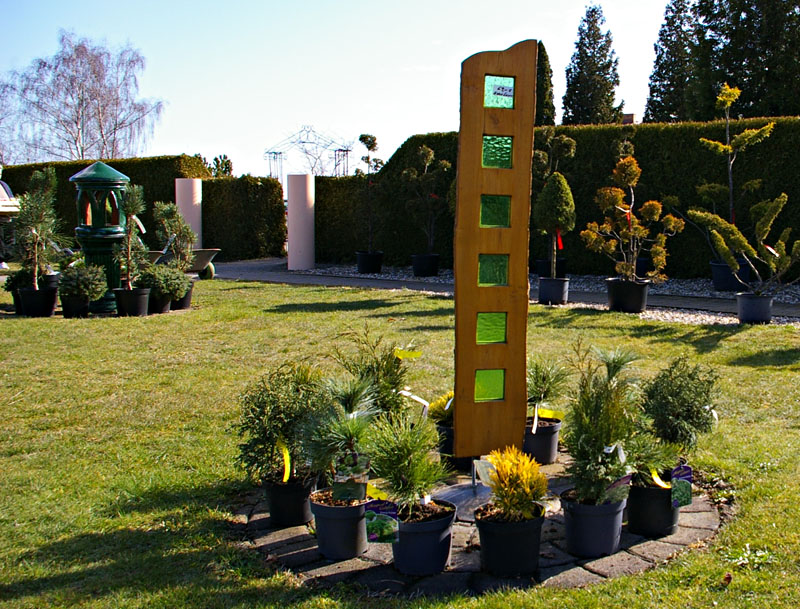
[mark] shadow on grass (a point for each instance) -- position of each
(438, 312)
(703, 339)
(332, 307)
(185, 552)
(770, 358)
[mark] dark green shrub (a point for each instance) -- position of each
(83, 280)
(164, 280)
(554, 213)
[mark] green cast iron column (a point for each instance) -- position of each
(100, 225)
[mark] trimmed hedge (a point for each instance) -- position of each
(244, 217)
(156, 174)
(673, 164)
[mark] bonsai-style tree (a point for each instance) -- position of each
(176, 233)
(733, 146)
(626, 232)
(37, 226)
(428, 190)
(374, 164)
(774, 261)
(554, 213)
(131, 254)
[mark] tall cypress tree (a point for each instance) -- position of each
(545, 108)
(669, 81)
(592, 75)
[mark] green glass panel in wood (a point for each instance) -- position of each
(490, 385)
(491, 328)
(492, 270)
(498, 91)
(495, 211)
(497, 151)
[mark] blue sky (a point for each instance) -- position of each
(240, 77)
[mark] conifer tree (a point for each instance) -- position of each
(669, 80)
(592, 75)
(545, 108)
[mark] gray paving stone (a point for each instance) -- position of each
(552, 556)
(300, 556)
(442, 584)
(685, 536)
(552, 529)
(379, 552)
(463, 535)
(281, 550)
(338, 571)
(699, 520)
(259, 519)
(616, 565)
(485, 582)
(271, 539)
(465, 559)
(629, 539)
(700, 503)
(572, 577)
(382, 579)
(654, 550)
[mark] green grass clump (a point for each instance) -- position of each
(118, 447)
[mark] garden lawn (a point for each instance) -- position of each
(117, 456)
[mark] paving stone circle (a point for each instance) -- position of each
(295, 548)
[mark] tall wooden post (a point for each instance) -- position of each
(495, 149)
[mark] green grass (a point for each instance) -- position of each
(116, 455)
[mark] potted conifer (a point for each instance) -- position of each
(78, 285)
(402, 448)
(369, 261)
(547, 381)
(275, 411)
(179, 237)
(625, 233)
(166, 283)
(510, 525)
(554, 213)
(131, 255)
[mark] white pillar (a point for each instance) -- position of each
(189, 199)
(300, 222)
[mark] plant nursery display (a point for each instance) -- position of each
(78, 285)
(131, 255)
(510, 524)
(554, 213)
(166, 283)
(547, 382)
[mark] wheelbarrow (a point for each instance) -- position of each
(201, 264)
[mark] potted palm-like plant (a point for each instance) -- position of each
(131, 255)
(427, 202)
(79, 284)
(600, 421)
(402, 448)
(625, 233)
(547, 381)
(37, 233)
(510, 525)
(679, 406)
(334, 442)
(275, 411)
(768, 265)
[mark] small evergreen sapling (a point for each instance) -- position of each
(554, 213)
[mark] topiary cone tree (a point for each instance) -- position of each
(554, 213)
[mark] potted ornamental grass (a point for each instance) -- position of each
(510, 525)
(679, 406)
(427, 185)
(80, 284)
(547, 382)
(166, 283)
(626, 232)
(600, 422)
(131, 255)
(554, 214)
(275, 411)
(37, 233)
(768, 258)
(402, 448)
(334, 442)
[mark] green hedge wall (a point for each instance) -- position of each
(244, 217)
(156, 174)
(672, 160)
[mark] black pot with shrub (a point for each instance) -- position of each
(78, 285)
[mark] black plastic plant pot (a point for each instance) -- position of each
(425, 265)
(724, 280)
(132, 303)
(424, 547)
(510, 548)
(185, 302)
(369, 262)
(288, 502)
(38, 303)
(542, 445)
(592, 530)
(553, 291)
(650, 511)
(341, 530)
(627, 296)
(158, 304)
(74, 306)
(753, 308)
(17, 302)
